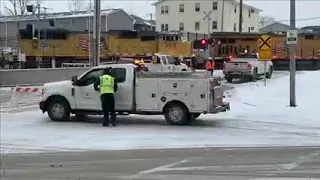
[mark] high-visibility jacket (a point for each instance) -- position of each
(106, 84)
(209, 66)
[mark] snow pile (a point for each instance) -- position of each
(271, 102)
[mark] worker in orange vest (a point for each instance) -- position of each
(210, 66)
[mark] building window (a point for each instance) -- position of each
(235, 27)
(73, 21)
(181, 26)
(164, 9)
(249, 14)
(235, 9)
(249, 29)
(181, 8)
(197, 26)
(215, 6)
(214, 25)
(252, 28)
(164, 27)
(197, 7)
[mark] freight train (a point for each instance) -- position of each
(70, 46)
(307, 48)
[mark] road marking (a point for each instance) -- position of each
(296, 164)
(162, 168)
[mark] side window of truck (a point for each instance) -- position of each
(119, 74)
(91, 77)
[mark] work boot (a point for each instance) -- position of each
(105, 125)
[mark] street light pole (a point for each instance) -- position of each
(292, 48)
(39, 43)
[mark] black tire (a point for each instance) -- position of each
(254, 75)
(229, 79)
(270, 71)
(183, 70)
(183, 116)
(59, 104)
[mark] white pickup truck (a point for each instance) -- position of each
(180, 96)
(165, 63)
(246, 65)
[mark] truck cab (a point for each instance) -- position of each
(180, 96)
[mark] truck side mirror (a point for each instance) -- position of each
(74, 79)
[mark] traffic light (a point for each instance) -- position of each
(203, 41)
(200, 44)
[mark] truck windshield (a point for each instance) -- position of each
(246, 56)
(171, 60)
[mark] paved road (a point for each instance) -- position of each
(177, 164)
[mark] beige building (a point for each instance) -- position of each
(187, 16)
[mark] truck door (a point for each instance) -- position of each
(86, 97)
(124, 94)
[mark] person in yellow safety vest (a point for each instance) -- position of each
(107, 86)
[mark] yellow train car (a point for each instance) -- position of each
(73, 46)
(307, 47)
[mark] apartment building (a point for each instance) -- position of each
(188, 16)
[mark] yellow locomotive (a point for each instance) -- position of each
(67, 46)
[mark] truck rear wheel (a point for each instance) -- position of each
(58, 110)
(254, 75)
(176, 114)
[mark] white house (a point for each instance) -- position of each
(187, 16)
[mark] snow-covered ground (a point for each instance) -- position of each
(259, 116)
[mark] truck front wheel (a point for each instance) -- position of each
(176, 114)
(58, 110)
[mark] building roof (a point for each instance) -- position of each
(314, 28)
(139, 20)
(60, 15)
(235, 1)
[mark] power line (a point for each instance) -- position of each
(303, 19)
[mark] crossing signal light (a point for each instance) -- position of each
(203, 41)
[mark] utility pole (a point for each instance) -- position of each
(240, 16)
(222, 16)
(39, 43)
(89, 35)
(151, 21)
(96, 37)
(292, 48)
(207, 19)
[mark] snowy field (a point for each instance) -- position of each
(259, 116)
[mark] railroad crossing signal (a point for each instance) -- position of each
(264, 46)
(207, 17)
(203, 41)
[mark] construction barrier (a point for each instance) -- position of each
(21, 99)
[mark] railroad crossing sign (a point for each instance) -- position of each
(264, 46)
(207, 17)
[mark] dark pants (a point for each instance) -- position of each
(108, 106)
(210, 71)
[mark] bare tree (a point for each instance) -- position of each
(266, 20)
(76, 5)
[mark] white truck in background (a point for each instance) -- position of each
(246, 65)
(165, 63)
(180, 96)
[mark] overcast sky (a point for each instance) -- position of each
(276, 8)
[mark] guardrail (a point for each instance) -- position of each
(13, 77)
